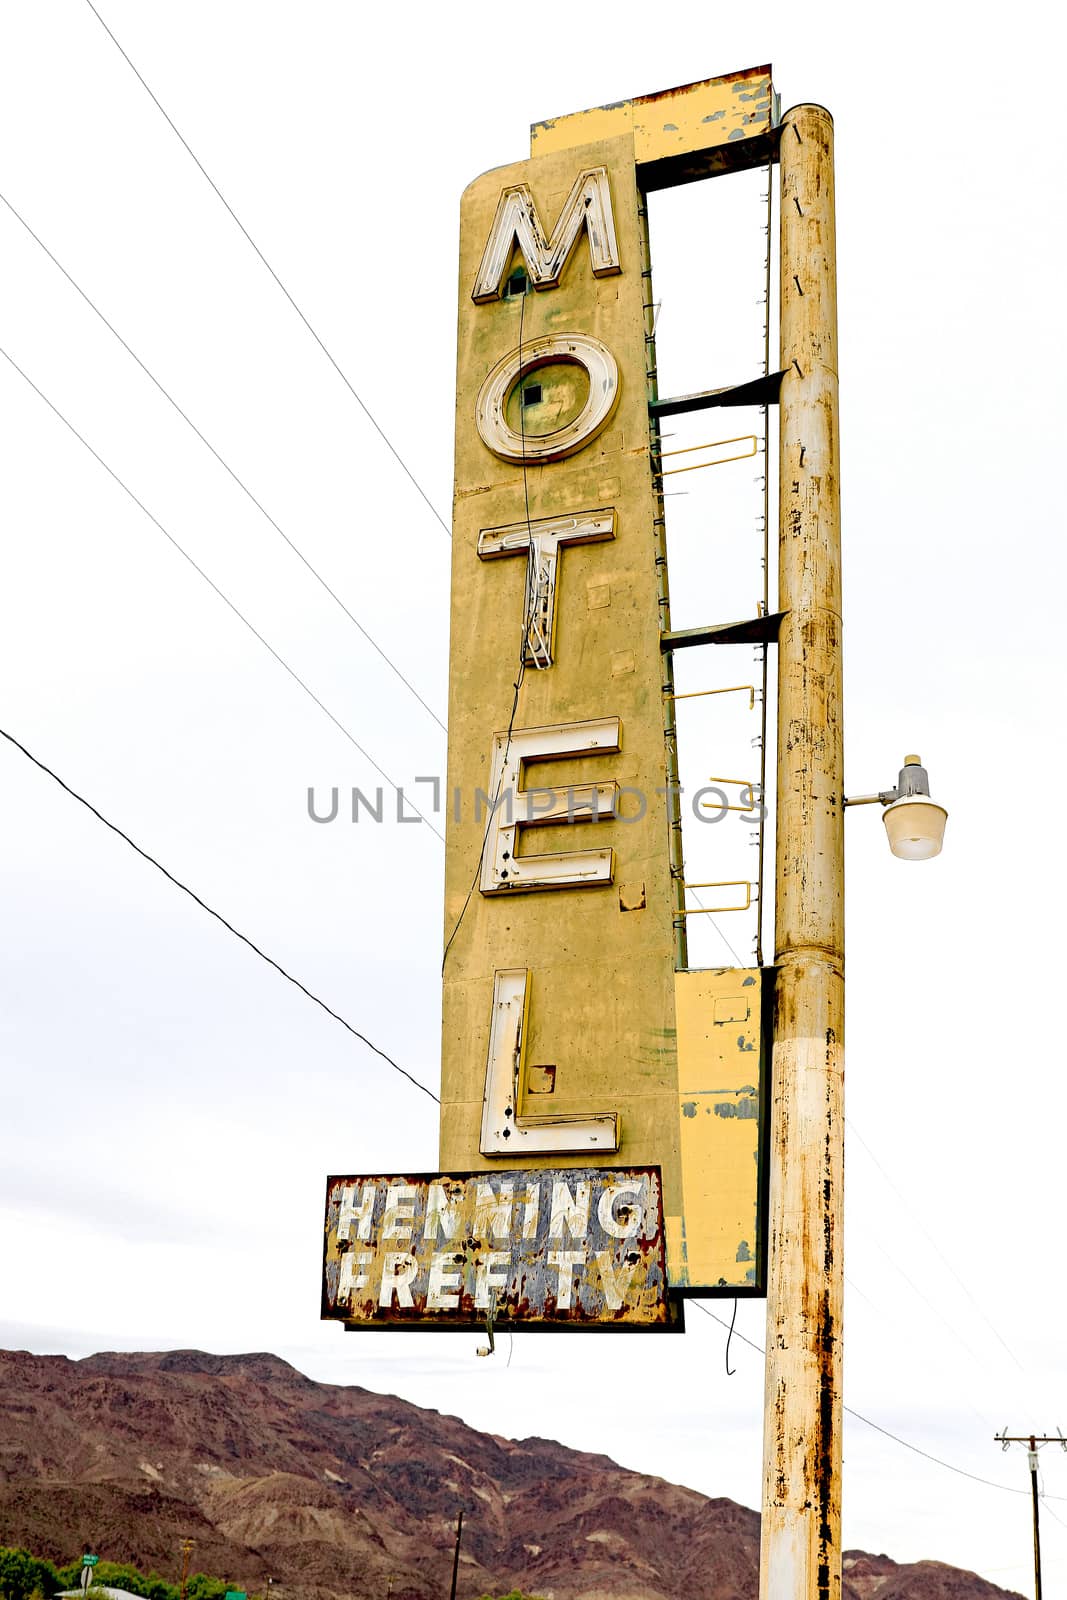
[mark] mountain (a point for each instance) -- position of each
(331, 1491)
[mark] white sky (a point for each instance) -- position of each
(172, 1105)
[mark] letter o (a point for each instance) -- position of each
(581, 349)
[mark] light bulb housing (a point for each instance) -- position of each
(915, 827)
(914, 824)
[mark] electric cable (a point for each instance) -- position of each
(906, 1322)
(221, 594)
(914, 1287)
(222, 462)
(522, 657)
(877, 1426)
(184, 887)
(394, 452)
(851, 1126)
(718, 929)
(1044, 1498)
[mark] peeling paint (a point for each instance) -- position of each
(746, 1110)
(581, 1247)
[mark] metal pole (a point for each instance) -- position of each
(800, 1556)
(455, 1558)
(187, 1546)
(1037, 1530)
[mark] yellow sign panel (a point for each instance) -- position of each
(717, 1239)
(563, 1043)
(682, 134)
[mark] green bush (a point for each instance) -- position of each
(514, 1595)
(26, 1577)
(23, 1575)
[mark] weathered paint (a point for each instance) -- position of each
(801, 1527)
(601, 978)
(717, 1239)
(668, 130)
(579, 1248)
(592, 1043)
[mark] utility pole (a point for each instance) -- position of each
(187, 1548)
(455, 1558)
(1033, 1442)
(800, 1554)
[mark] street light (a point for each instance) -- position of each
(915, 823)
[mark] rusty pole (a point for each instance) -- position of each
(800, 1557)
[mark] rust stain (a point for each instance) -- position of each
(580, 1247)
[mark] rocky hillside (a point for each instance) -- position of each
(333, 1491)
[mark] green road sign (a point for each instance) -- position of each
(90, 1561)
(236, 1594)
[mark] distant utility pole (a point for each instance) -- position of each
(455, 1558)
(187, 1550)
(1033, 1443)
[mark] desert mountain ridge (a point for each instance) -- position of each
(336, 1493)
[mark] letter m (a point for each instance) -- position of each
(587, 206)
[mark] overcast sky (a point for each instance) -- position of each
(172, 1106)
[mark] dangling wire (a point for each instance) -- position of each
(731, 1370)
(522, 655)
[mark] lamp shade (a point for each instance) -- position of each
(916, 827)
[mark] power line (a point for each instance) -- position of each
(344, 379)
(184, 887)
(221, 594)
(1048, 1508)
(906, 1321)
(221, 461)
(851, 1126)
(877, 1426)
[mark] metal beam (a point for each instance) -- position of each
(755, 630)
(762, 391)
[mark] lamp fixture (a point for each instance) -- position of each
(915, 823)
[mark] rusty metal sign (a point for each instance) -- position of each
(544, 1249)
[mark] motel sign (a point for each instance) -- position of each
(587, 1072)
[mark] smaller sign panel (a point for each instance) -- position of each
(580, 1248)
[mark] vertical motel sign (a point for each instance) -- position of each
(601, 1117)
